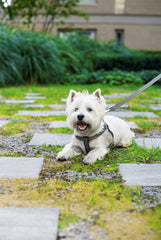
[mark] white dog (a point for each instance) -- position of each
(94, 132)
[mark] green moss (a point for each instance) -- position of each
(61, 130)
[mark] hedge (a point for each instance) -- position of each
(129, 63)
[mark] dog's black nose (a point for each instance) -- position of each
(80, 117)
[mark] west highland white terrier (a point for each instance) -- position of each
(94, 132)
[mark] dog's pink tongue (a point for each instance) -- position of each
(82, 126)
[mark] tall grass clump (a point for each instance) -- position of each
(10, 59)
(27, 57)
(41, 58)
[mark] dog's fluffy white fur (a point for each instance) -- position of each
(85, 115)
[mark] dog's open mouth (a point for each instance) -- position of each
(82, 126)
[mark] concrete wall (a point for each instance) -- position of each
(143, 7)
(140, 21)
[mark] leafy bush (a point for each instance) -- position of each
(10, 59)
(27, 57)
(115, 77)
(135, 62)
(148, 75)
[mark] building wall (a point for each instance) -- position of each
(101, 7)
(134, 35)
(143, 7)
(139, 19)
(136, 7)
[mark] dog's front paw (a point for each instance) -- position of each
(88, 160)
(61, 157)
(95, 155)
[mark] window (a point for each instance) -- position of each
(87, 1)
(119, 6)
(91, 33)
(119, 36)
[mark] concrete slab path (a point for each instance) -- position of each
(117, 95)
(14, 101)
(64, 100)
(3, 123)
(132, 125)
(141, 174)
(41, 113)
(156, 107)
(28, 223)
(35, 97)
(129, 114)
(50, 139)
(56, 106)
(20, 167)
(33, 94)
(148, 143)
(58, 124)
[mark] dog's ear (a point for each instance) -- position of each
(72, 94)
(97, 93)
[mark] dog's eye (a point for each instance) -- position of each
(89, 109)
(76, 109)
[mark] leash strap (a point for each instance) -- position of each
(116, 106)
(87, 139)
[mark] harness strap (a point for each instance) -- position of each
(87, 139)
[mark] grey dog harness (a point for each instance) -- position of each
(87, 139)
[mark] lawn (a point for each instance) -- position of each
(122, 213)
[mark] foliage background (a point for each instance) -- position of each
(28, 57)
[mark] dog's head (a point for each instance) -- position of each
(85, 111)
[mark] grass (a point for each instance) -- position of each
(112, 199)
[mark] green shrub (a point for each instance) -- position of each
(114, 77)
(41, 58)
(129, 62)
(148, 75)
(27, 57)
(10, 59)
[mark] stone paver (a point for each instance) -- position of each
(156, 107)
(20, 167)
(14, 101)
(132, 125)
(110, 105)
(35, 106)
(50, 139)
(141, 174)
(3, 122)
(35, 97)
(33, 94)
(159, 99)
(58, 124)
(117, 95)
(151, 101)
(128, 114)
(148, 142)
(64, 100)
(41, 113)
(56, 106)
(19, 223)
